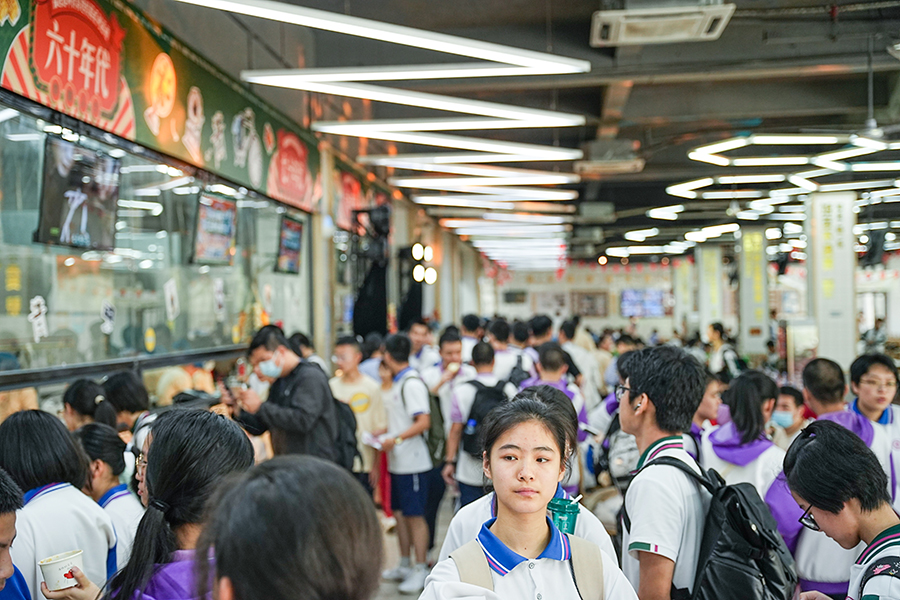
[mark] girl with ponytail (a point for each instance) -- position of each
(85, 402)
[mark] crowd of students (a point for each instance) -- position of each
(513, 420)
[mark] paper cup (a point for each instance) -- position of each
(57, 570)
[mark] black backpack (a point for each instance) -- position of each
(742, 555)
(487, 398)
(435, 437)
(887, 567)
(518, 374)
(345, 446)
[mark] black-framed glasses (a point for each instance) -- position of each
(808, 521)
(620, 392)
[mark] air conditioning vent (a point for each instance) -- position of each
(663, 25)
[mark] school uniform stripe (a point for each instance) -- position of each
(42, 491)
(883, 543)
(641, 546)
(675, 442)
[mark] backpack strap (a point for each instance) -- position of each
(473, 565)
(586, 564)
(681, 466)
(888, 567)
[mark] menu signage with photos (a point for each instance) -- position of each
(216, 225)
(289, 246)
(78, 198)
(643, 303)
(105, 63)
(590, 304)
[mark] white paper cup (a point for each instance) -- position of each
(57, 570)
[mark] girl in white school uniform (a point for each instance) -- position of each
(842, 490)
(742, 453)
(40, 455)
(468, 520)
(106, 451)
(524, 554)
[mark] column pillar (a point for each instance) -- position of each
(753, 315)
(831, 260)
(683, 289)
(710, 292)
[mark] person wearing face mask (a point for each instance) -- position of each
(787, 418)
(299, 412)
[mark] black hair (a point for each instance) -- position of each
(770, 344)
(102, 442)
(789, 390)
(827, 465)
(320, 532)
(87, 398)
(711, 377)
(192, 451)
(557, 399)
(269, 337)
(482, 354)
(471, 323)
(500, 330)
(673, 380)
(10, 494)
(398, 347)
(37, 450)
(824, 379)
(622, 364)
(863, 363)
(626, 340)
(551, 356)
(448, 337)
(745, 398)
(372, 344)
(568, 329)
(522, 410)
(540, 325)
(520, 332)
(718, 328)
(348, 340)
(419, 321)
(126, 392)
(297, 342)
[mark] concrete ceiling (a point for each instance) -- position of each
(780, 66)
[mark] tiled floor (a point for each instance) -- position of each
(388, 590)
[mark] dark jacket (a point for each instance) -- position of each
(300, 414)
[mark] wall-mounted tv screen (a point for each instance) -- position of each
(289, 246)
(216, 225)
(78, 197)
(642, 303)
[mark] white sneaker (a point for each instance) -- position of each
(398, 573)
(415, 583)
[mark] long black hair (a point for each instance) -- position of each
(192, 451)
(101, 442)
(827, 465)
(37, 450)
(126, 392)
(88, 399)
(745, 398)
(293, 523)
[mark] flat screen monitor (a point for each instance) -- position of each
(214, 241)
(642, 303)
(289, 245)
(78, 197)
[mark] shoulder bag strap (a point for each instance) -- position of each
(586, 565)
(887, 567)
(473, 565)
(678, 464)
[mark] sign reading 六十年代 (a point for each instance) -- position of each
(105, 63)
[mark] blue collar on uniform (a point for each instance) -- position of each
(560, 493)
(400, 375)
(886, 418)
(108, 496)
(41, 491)
(503, 560)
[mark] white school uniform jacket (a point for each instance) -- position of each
(469, 470)
(667, 509)
(467, 522)
(412, 455)
(58, 518)
(432, 375)
(890, 424)
(885, 545)
(125, 511)
(425, 358)
(506, 360)
(547, 577)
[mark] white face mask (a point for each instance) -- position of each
(269, 368)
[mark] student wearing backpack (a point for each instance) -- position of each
(443, 378)
(666, 507)
(822, 564)
(520, 553)
(510, 363)
(723, 360)
(467, 521)
(463, 467)
(842, 490)
(409, 462)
